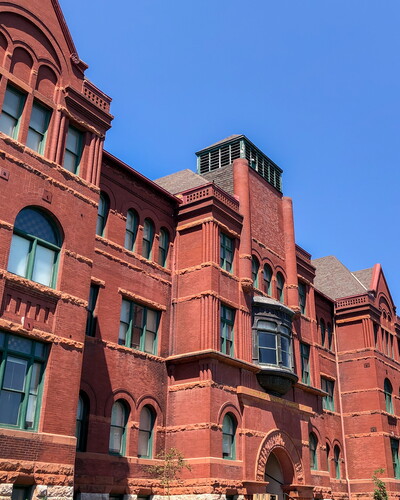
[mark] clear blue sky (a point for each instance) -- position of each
(314, 84)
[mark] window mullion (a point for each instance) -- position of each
(24, 405)
(31, 258)
(128, 336)
(143, 332)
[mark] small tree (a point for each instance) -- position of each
(380, 492)
(172, 466)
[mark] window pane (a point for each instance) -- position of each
(149, 342)
(118, 415)
(267, 340)
(19, 344)
(74, 140)
(267, 356)
(19, 252)
(116, 434)
(34, 140)
(70, 161)
(143, 445)
(2, 337)
(35, 223)
(14, 376)
(9, 407)
(30, 411)
(266, 325)
(125, 311)
(151, 320)
(226, 445)
(43, 265)
(7, 124)
(145, 420)
(12, 102)
(40, 350)
(39, 117)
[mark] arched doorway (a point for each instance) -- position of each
(274, 477)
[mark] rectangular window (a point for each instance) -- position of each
(38, 125)
(305, 363)
(226, 252)
(73, 149)
(328, 401)
(138, 327)
(394, 444)
(13, 106)
(91, 318)
(21, 372)
(302, 297)
(227, 322)
(21, 493)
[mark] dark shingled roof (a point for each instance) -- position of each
(365, 276)
(181, 181)
(223, 177)
(336, 281)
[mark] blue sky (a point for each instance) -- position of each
(314, 84)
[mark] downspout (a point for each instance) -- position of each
(341, 416)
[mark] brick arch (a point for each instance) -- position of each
(286, 453)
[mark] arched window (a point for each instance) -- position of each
(82, 415)
(148, 236)
(131, 229)
(267, 279)
(313, 443)
(228, 437)
(11, 113)
(146, 426)
(328, 457)
(163, 247)
(388, 390)
(102, 214)
(35, 247)
(254, 271)
(322, 330)
(336, 459)
(280, 287)
(330, 335)
(119, 418)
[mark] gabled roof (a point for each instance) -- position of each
(335, 280)
(181, 181)
(227, 139)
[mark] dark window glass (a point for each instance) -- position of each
(148, 237)
(313, 443)
(13, 106)
(163, 247)
(274, 344)
(91, 318)
(267, 279)
(394, 445)
(35, 247)
(228, 437)
(131, 230)
(119, 418)
(38, 125)
(102, 214)
(226, 252)
(73, 149)
(254, 271)
(305, 363)
(21, 372)
(302, 297)
(388, 389)
(322, 331)
(226, 335)
(336, 459)
(280, 287)
(328, 401)
(82, 419)
(138, 327)
(146, 425)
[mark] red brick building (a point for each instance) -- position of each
(139, 316)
